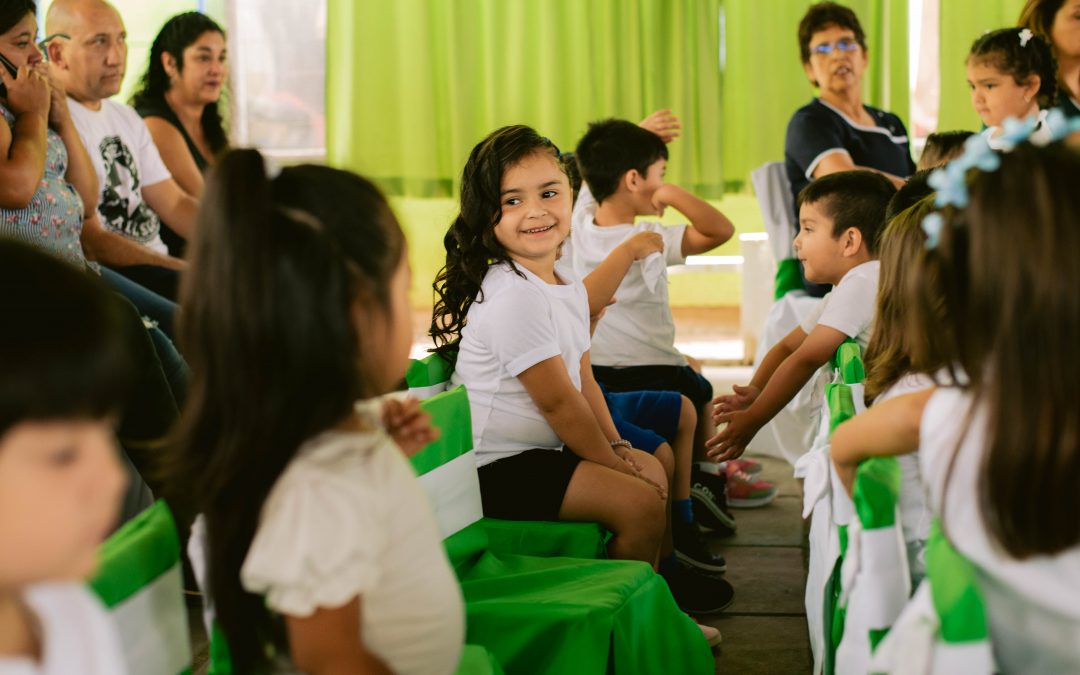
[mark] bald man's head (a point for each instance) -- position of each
(91, 64)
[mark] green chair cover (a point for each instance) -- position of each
(548, 614)
(428, 376)
(475, 660)
(139, 580)
(944, 628)
(788, 278)
(451, 415)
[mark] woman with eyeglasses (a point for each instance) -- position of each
(837, 131)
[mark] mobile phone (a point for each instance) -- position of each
(12, 70)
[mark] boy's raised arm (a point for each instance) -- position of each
(708, 227)
(602, 282)
(790, 376)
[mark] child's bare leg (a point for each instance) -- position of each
(667, 459)
(630, 508)
(683, 449)
(704, 430)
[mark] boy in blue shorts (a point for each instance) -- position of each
(622, 166)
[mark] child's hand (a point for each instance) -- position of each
(644, 244)
(664, 196)
(741, 399)
(627, 465)
(28, 92)
(663, 123)
(408, 425)
(731, 441)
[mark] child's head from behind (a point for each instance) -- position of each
(1006, 271)
(516, 202)
(1010, 72)
(941, 148)
(621, 160)
(295, 307)
(63, 375)
(894, 349)
(840, 216)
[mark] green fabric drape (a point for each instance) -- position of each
(764, 82)
(962, 21)
(412, 85)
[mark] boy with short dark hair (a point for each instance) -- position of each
(840, 217)
(622, 166)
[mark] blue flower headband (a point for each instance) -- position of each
(950, 182)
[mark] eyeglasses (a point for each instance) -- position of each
(843, 44)
(44, 44)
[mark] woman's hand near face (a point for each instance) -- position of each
(28, 92)
(59, 114)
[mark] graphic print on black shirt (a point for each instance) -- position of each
(121, 190)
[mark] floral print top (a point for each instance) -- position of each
(53, 218)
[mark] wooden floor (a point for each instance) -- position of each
(764, 630)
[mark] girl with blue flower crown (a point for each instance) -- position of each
(999, 439)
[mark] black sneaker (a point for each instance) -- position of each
(699, 593)
(708, 494)
(691, 549)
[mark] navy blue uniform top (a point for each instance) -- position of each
(816, 130)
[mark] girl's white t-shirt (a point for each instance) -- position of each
(516, 322)
(77, 635)
(348, 517)
(1030, 602)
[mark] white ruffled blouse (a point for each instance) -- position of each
(348, 517)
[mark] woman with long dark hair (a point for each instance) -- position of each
(180, 97)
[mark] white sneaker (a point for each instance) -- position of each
(712, 635)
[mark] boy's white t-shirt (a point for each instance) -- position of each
(348, 517)
(515, 323)
(1043, 592)
(638, 329)
(77, 634)
(850, 306)
(125, 160)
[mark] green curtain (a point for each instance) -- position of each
(962, 21)
(764, 82)
(412, 85)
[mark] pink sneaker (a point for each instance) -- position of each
(743, 492)
(748, 466)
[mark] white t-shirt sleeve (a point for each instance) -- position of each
(150, 163)
(811, 319)
(318, 542)
(525, 333)
(673, 239)
(850, 308)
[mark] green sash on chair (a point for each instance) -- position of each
(139, 580)
(537, 538)
(944, 628)
(548, 614)
(788, 278)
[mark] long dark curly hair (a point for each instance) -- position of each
(179, 33)
(471, 246)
